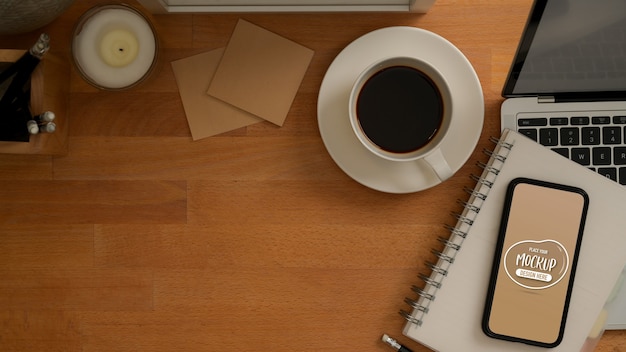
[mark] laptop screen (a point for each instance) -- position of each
(571, 49)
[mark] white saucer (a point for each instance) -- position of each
(334, 124)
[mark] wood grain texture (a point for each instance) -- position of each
(140, 239)
(87, 202)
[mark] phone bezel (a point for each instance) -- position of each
(498, 254)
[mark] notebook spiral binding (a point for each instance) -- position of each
(453, 244)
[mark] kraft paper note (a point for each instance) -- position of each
(206, 115)
(260, 72)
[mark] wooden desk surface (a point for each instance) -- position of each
(142, 240)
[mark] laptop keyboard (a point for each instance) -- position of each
(595, 140)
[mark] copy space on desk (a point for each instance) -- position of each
(260, 72)
(206, 115)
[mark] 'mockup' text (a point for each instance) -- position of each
(535, 262)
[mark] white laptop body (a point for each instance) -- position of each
(569, 73)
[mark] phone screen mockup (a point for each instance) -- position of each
(535, 262)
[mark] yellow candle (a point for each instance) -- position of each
(114, 46)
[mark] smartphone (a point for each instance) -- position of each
(535, 262)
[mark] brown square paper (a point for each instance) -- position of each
(260, 72)
(206, 115)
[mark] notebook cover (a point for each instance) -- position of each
(453, 320)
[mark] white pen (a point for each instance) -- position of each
(48, 127)
(46, 116)
(395, 344)
(32, 127)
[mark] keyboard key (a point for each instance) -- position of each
(601, 120)
(548, 136)
(563, 151)
(620, 120)
(596, 142)
(622, 175)
(529, 132)
(537, 121)
(608, 172)
(559, 121)
(569, 136)
(611, 135)
(590, 135)
(579, 120)
(602, 156)
(581, 156)
(619, 156)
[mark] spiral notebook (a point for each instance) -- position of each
(447, 313)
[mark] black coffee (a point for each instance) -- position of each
(400, 109)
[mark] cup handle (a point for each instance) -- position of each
(439, 164)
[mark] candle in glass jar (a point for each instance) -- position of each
(114, 46)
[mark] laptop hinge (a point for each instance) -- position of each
(545, 99)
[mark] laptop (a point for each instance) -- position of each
(566, 89)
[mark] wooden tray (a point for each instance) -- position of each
(49, 92)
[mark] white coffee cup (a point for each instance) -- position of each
(400, 109)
